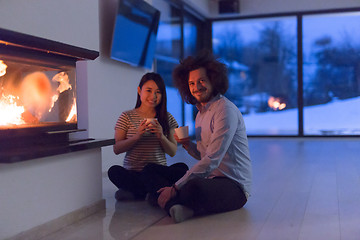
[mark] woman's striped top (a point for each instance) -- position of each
(148, 149)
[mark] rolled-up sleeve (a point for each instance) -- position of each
(217, 131)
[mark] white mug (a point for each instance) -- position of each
(182, 132)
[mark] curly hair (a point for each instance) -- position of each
(215, 70)
(161, 109)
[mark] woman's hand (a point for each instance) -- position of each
(141, 129)
(155, 127)
(166, 193)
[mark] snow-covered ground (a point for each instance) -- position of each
(335, 118)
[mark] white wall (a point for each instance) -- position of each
(35, 192)
(276, 6)
(88, 24)
(254, 7)
(71, 22)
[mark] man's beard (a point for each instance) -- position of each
(204, 98)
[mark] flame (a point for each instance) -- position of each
(72, 114)
(36, 97)
(3, 67)
(63, 79)
(54, 98)
(36, 93)
(276, 104)
(10, 112)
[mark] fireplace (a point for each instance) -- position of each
(38, 109)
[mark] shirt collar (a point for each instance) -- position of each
(202, 108)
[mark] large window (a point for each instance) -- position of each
(294, 74)
(266, 72)
(261, 56)
(331, 50)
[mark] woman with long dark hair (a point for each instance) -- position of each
(146, 143)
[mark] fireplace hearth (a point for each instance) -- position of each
(38, 110)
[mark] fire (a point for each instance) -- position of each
(35, 98)
(276, 103)
(10, 112)
(63, 79)
(36, 93)
(54, 98)
(72, 114)
(3, 67)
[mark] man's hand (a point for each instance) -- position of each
(166, 193)
(183, 141)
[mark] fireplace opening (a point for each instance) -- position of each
(32, 95)
(38, 102)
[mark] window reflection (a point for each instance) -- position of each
(176, 40)
(168, 53)
(192, 44)
(191, 39)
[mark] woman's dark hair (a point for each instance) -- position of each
(215, 70)
(161, 109)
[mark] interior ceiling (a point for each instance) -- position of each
(210, 8)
